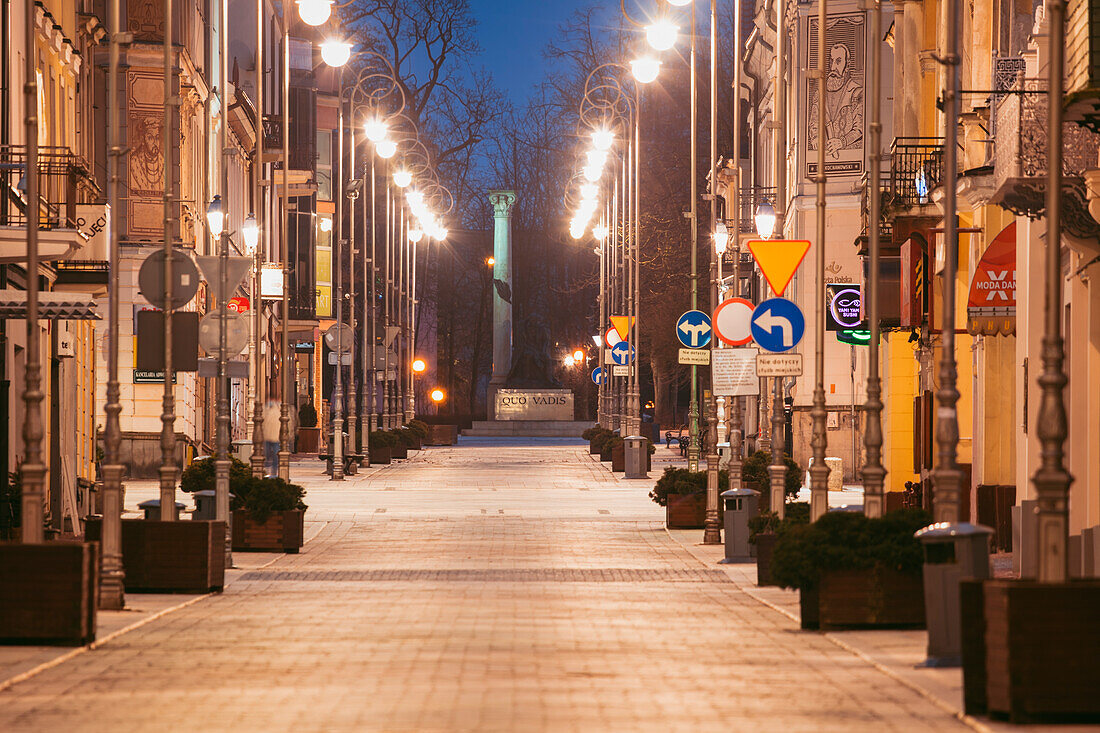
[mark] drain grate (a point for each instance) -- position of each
(532, 575)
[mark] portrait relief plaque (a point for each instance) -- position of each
(845, 101)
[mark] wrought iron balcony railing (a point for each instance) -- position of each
(64, 181)
(751, 198)
(886, 198)
(1020, 159)
(916, 170)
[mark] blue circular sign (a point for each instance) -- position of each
(693, 329)
(777, 325)
(622, 353)
(597, 375)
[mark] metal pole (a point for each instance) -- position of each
(221, 460)
(1052, 480)
(285, 373)
(874, 474)
(387, 280)
(112, 575)
(693, 404)
(819, 472)
(352, 422)
(338, 243)
(168, 404)
(736, 420)
(712, 534)
(634, 322)
(257, 459)
(946, 477)
(371, 316)
(777, 471)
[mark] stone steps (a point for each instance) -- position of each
(528, 428)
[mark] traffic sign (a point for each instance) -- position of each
(731, 321)
(693, 329)
(779, 365)
(700, 357)
(622, 353)
(777, 325)
(779, 259)
(597, 375)
(622, 325)
(733, 372)
(611, 338)
(620, 371)
(340, 337)
(236, 332)
(185, 279)
(235, 270)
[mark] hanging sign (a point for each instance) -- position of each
(271, 282)
(991, 307)
(843, 306)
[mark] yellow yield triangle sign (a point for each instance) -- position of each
(622, 325)
(779, 259)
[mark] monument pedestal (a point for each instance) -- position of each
(546, 413)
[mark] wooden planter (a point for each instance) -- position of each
(170, 557)
(418, 444)
(618, 457)
(399, 451)
(380, 455)
(864, 599)
(765, 548)
(686, 511)
(50, 593)
(309, 440)
(282, 532)
(1031, 651)
(592, 450)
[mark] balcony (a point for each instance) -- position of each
(1020, 160)
(886, 227)
(916, 170)
(82, 276)
(66, 188)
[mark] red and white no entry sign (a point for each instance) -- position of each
(732, 321)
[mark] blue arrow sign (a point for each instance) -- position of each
(622, 353)
(777, 325)
(597, 375)
(693, 329)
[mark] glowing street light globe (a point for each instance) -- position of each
(589, 190)
(438, 395)
(721, 238)
(402, 178)
(375, 130)
(578, 355)
(592, 173)
(661, 35)
(335, 53)
(596, 157)
(415, 198)
(314, 12)
(576, 230)
(645, 69)
(215, 216)
(569, 360)
(440, 233)
(603, 139)
(600, 231)
(385, 148)
(419, 365)
(250, 230)
(679, 3)
(415, 235)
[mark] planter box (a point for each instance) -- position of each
(592, 448)
(1033, 649)
(399, 451)
(282, 532)
(50, 593)
(765, 548)
(380, 456)
(864, 599)
(418, 444)
(686, 511)
(442, 435)
(309, 440)
(170, 557)
(618, 458)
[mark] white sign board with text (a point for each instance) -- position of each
(733, 372)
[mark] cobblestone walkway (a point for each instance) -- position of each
(539, 613)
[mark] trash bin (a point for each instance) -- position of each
(152, 509)
(635, 455)
(740, 505)
(952, 552)
(206, 504)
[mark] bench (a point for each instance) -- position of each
(681, 435)
(351, 462)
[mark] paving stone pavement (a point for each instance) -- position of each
(492, 594)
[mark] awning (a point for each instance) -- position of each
(991, 307)
(51, 306)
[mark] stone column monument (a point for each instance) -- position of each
(502, 202)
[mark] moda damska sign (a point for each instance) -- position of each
(534, 404)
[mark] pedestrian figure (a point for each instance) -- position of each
(272, 415)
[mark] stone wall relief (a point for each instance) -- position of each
(845, 101)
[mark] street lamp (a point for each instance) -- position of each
(314, 12)
(661, 34)
(600, 231)
(385, 148)
(415, 235)
(250, 230)
(765, 220)
(215, 216)
(578, 355)
(721, 238)
(603, 139)
(490, 261)
(402, 178)
(645, 69)
(375, 130)
(335, 53)
(419, 365)
(438, 395)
